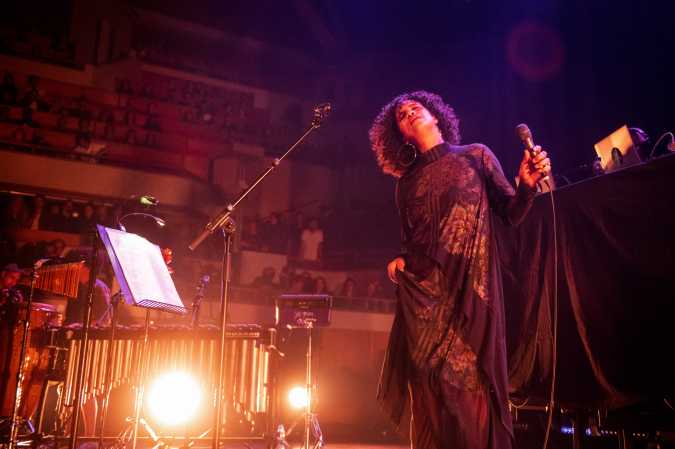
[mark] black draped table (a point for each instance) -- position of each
(616, 289)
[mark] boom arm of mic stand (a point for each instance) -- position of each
(223, 219)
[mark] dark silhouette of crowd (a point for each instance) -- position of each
(294, 280)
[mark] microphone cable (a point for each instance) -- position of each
(525, 135)
(672, 141)
(554, 343)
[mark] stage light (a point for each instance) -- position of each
(297, 396)
(173, 398)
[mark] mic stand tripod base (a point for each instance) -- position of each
(24, 432)
(311, 421)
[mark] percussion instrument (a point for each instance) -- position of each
(44, 318)
(195, 352)
(62, 279)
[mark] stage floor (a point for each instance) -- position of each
(330, 445)
(258, 445)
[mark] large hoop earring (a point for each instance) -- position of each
(406, 155)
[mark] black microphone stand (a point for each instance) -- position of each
(105, 397)
(197, 301)
(82, 353)
(225, 222)
(194, 326)
(18, 392)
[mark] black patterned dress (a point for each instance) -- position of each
(446, 359)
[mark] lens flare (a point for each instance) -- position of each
(297, 396)
(173, 398)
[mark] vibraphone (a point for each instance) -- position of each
(195, 352)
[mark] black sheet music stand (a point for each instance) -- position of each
(144, 282)
(306, 312)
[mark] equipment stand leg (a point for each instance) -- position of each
(14, 425)
(140, 388)
(105, 401)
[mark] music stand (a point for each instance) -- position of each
(306, 312)
(145, 282)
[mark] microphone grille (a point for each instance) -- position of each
(523, 132)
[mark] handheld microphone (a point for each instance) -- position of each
(525, 135)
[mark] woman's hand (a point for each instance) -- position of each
(534, 167)
(397, 264)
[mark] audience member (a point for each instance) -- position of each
(297, 285)
(27, 121)
(108, 119)
(53, 220)
(28, 253)
(151, 139)
(374, 289)
(307, 282)
(328, 224)
(295, 228)
(8, 91)
(146, 90)
(62, 120)
(152, 123)
(250, 239)
(16, 215)
(35, 221)
(266, 278)
(311, 241)
(10, 276)
(85, 128)
(51, 249)
(88, 220)
(60, 246)
(123, 86)
(33, 97)
(10, 295)
(286, 276)
(131, 137)
(82, 143)
(102, 216)
(274, 236)
(4, 113)
(320, 287)
(348, 288)
(70, 217)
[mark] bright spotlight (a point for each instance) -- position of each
(297, 396)
(173, 398)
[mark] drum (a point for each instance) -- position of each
(37, 360)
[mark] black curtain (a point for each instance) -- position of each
(615, 290)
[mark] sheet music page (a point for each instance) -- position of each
(144, 268)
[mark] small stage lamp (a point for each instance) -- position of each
(297, 397)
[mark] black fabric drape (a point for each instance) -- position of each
(616, 262)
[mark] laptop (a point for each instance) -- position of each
(617, 150)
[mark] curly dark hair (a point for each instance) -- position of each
(386, 139)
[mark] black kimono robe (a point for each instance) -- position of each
(446, 358)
